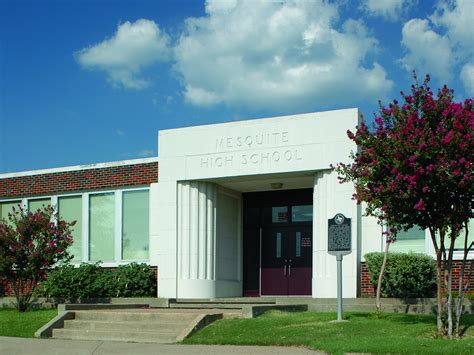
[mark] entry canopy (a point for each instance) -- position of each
(339, 235)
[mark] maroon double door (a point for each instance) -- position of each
(286, 263)
(278, 243)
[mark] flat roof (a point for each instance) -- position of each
(255, 120)
(79, 167)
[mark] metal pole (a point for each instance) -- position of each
(339, 287)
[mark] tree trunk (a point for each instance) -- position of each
(378, 301)
(439, 294)
(23, 293)
(439, 279)
(449, 287)
(461, 287)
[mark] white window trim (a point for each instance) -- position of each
(85, 229)
(118, 224)
(118, 201)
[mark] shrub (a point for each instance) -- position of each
(132, 280)
(30, 243)
(94, 281)
(407, 275)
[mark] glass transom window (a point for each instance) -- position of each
(302, 213)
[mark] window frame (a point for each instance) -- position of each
(118, 192)
(458, 254)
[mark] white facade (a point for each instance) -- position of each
(196, 207)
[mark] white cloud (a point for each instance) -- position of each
(277, 54)
(467, 77)
(220, 6)
(458, 18)
(119, 132)
(443, 46)
(389, 9)
(428, 51)
(123, 57)
(146, 153)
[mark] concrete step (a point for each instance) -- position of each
(115, 335)
(211, 305)
(233, 300)
(100, 306)
(173, 326)
(149, 316)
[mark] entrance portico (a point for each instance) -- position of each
(200, 236)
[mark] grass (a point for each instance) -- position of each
(18, 324)
(389, 333)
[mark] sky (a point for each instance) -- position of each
(83, 82)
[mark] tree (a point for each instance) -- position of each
(414, 167)
(30, 244)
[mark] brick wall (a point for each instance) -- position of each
(74, 181)
(79, 180)
(368, 290)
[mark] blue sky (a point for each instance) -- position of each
(92, 81)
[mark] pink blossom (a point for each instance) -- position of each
(447, 139)
(420, 206)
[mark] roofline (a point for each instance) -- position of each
(253, 120)
(79, 167)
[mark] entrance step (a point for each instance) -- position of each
(225, 304)
(233, 300)
(144, 325)
(115, 335)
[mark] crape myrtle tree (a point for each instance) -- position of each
(414, 167)
(30, 244)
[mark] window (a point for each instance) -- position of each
(303, 213)
(459, 242)
(34, 205)
(7, 207)
(111, 226)
(278, 245)
(102, 227)
(70, 209)
(413, 240)
(279, 214)
(135, 225)
(298, 244)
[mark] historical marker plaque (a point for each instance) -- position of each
(339, 234)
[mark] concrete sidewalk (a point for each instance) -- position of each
(29, 346)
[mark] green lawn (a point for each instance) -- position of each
(390, 333)
(17, 324)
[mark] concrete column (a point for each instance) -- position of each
(329, 198)
(196, 231)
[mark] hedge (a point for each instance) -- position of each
(94, 281)
(407, 275)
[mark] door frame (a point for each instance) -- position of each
(255, 226)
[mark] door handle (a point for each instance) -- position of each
(284, 270)
(289, 270)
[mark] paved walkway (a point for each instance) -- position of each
(28, 346)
